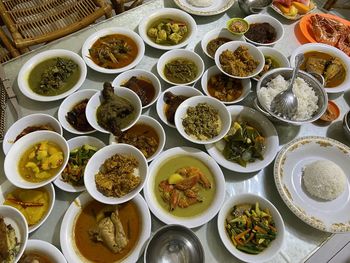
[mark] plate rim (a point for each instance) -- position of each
(205, 13)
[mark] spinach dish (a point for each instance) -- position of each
(180, 70)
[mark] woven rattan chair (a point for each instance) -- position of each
(33, 22)
(123, 5)
(7, 50)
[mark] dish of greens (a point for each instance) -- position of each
(243, 144)
(250, 228)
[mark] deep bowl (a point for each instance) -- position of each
(45, 248)
(286, 73)
(174, 243)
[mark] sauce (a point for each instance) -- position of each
(35, 257)
(224, 88)
(143, 88)
(262, 33)
(331, 113)
(214, 44)
(97, 252)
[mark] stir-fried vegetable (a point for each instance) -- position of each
(244, 144)
(250, 228)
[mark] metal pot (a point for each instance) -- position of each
(253, 6)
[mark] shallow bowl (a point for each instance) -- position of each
(22, 145)
(25, 70)
(35, 119)
(45, 248)
(95, 162)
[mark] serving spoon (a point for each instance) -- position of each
(285, 104)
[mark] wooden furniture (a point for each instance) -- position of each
(336, 4)
(119, 5)
(33, 22)
(7, 49)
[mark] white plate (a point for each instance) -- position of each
(256, 119)
(196, 220)
(68, 245)
(217, 7)
(7, 187)
(109, 31)
(74, 143)
(331, 51)
(46, 249)
(330, 216)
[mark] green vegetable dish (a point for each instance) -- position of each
(250, 228)
(168, 32)
(78, 158)
(243, 144)
(54, 76)
(180, 70)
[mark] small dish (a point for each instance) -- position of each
(180, 54)
(162, 213)
(146, 75)
(214, 70)
(273, 248)
(68, 104)
(96, 100)
(7, 187)
(224, 115)
(36, 119)
(14, 218)
(253, 51)
(75, 143)
(332, 113)
(14, 155)
(44, 248)
(167, 13)
(264, 126)
(182, 238)
(95, 162)
(237, 26)
(149, 121)
(67, 240)
(218, 33)
(111, 31)
(176, 90)
(260, 18)
(23, 75)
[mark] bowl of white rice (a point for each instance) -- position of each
(311, 96)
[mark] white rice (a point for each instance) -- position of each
(324, 179)
(200, 3)
(307, 99)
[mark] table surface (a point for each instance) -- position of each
(300, 239)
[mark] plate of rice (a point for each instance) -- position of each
(204, 7)
(311, 175)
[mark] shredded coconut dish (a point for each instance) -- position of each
(306, 96)
(324, 179)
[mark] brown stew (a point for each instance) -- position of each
(143, 88)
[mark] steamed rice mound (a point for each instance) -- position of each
(324, 179)
(201, 3)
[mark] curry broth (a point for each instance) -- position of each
(143, 129)
(97, 252)
(168, 168)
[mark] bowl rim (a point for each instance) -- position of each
(108, 31)
(231, 20)
(41, 245)
(40, 57)
(163, 12)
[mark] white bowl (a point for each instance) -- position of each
(153, 123)
(94, 164)
(214, 70)
(45, 248)
(233, 45)
(67, 241)
(176, 90)
(180, 53)
(35, 119)
(109, 31)
(331, 51)
(274, 246)
(7, 187)
(264, 126)
(216, 33)
(74, 143)
(199, 219)
(68, 104)
(18, 222)
(14, 155)
(260, 18)
(96, 100)
(275, 54)
(224, 115)
(23, 74)
(167, 13)
(124, 77)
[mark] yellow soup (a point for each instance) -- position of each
(41, 162)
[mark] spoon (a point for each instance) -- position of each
(285, 104)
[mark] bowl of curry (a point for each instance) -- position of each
(113, 50)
